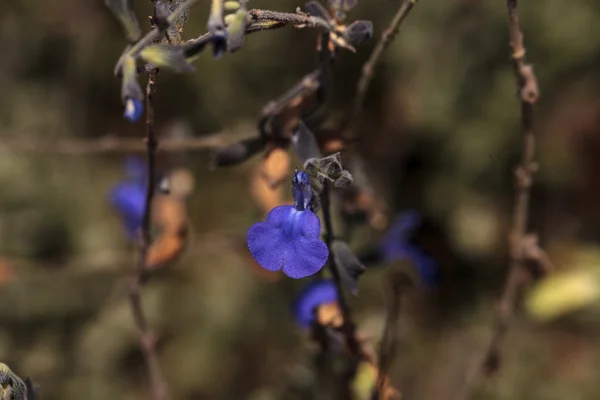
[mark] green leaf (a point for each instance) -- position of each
(348, 264)
(130, 88)
(216, 24)
(166, 55)
(232, 6)
(563, 293)
(236, 30)
(123, 11)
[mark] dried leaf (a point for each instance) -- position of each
(357, 32)
(31, 392)
(304, 143)
(344, 180)
(349, 265)
(166, 55)
(329, 169)
(276, 166)
(237, 152)
(123, 11)
(316, 9)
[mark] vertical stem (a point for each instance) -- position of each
(528, 93)
(348, 327)
(147, 338)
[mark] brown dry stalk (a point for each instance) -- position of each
(368, 68)
(523, 246)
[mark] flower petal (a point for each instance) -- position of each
(310, 224)
(312, 296)
(265, 244)
(130, 201)
(425, 265)
(398, 234)
(280, 216)
(306, 257)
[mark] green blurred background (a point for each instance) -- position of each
(440, 135)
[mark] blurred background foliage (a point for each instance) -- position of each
(440, 135)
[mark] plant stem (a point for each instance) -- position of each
(368, 68)
(147, 338)
(528, 94)
(348, 327)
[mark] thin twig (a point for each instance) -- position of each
(111, 144)
(519, 240)
(147, 338)
(348, 327)
(299, 19)
(388, 345)
(158, 384)
(368, 68)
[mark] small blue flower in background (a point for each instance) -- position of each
(129, 196)
(312, 296)
(396, 245)
(133, 109)
(289, 238)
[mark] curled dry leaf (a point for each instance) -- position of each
(265, 191)
(170, 216)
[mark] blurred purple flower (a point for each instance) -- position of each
(289, 238)
(133, 109)
(312, 296)
(129, 196)
(397, 245)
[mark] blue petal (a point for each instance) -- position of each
(306, 258)
(302, 190)
(130, 201)
(133, 109)
(313, 295)
(395, 239)
(425, 265)
(136, 169)
(265, 244)
(289, 239)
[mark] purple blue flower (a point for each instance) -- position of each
(129, 196)
(133, 109)
(397, 245)
(290, 237)
(315, 294)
